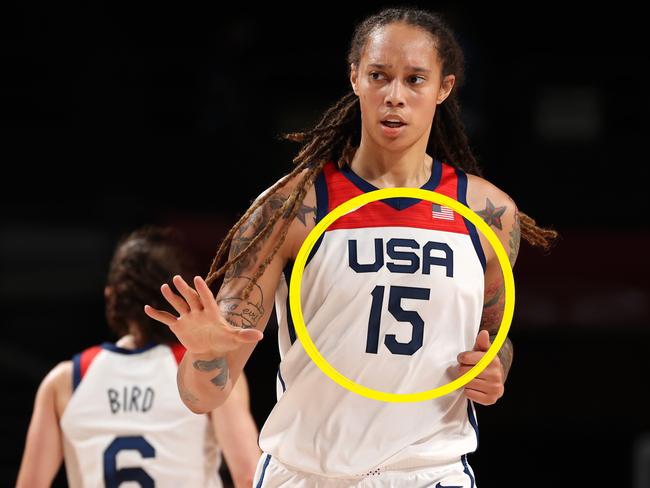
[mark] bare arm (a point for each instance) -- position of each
(43, 449)
(500, 213)
(220, 333)
(237, 433)
(503, 217)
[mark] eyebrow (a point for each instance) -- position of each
(417, 69)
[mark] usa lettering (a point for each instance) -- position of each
(130, 399)
(398, 260)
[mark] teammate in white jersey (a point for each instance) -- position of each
(113, 413)
(393, 295)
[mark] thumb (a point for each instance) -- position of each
(482, 341)
(250, 335)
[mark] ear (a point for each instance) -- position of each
(445, 88)
(354, 78)
(108, 291)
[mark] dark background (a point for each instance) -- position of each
(114, 115)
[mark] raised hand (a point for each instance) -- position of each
(200, 326)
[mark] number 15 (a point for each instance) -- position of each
(397, 293)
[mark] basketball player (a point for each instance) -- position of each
(114, 413)
(400, 295)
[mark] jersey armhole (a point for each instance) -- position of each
(80, 364)
(322, 208)
(473, 233)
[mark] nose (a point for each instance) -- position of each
(394, 95)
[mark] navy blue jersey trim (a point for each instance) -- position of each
(76, 371)
(284, 387)
(466, 470)
(473, 233)
(109, 346)
(266, 464)
(396, 203)
(287, 276)
(322, 202)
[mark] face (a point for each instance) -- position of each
(399, 76)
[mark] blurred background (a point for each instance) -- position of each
(115, 115)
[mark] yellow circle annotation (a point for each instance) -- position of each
(353, 204)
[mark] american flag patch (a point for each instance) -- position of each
(441, 212)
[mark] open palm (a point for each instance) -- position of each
(200, 326)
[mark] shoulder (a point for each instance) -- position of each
(300, 187)
(57, 386)
(499, 211)
(280, 191)
(59, 375)
(481, 194)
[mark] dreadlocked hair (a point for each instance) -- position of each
(142, 260)
(338, 134)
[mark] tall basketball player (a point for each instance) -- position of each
(400, 295)
(114, 413)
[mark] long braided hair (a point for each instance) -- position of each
(338, 134)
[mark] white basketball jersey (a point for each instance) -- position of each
(125, 424)
(391, 294)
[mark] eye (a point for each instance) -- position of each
(375, 76)
(416, 80)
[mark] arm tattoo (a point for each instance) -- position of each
(241, 313)
(493, 306)
(515, 238)
(254, 225)
(186, 394)
(302, 213)
(491, 320)
(222, 378)
(249, 230)
(505, 354)
(491, 214)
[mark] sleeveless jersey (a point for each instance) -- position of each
(391, 294)
(125, 422)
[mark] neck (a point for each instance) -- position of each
(410, 168)
(132, 340)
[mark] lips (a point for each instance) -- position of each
(392, 124)
(392, 130)
(393, 120)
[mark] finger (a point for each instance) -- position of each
(188, 293)
(250, 335)
(481, 385)
(470, 357)
(488, 387)
(488, 374)
(174, 300)
(161, 316)
(240, 334)
(479, 382)
(480, 397)
(205, 294)
(464, 369)
(482, 341)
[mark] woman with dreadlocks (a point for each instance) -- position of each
(399, 295)
(111, 414)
